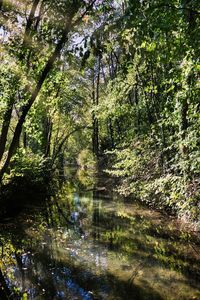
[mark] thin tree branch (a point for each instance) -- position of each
(60, 146)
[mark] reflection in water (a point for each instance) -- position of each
(85, 245)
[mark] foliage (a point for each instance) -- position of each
(119, 76)
(151, 104)
(29, 165)
(29, 178)
(86, 159)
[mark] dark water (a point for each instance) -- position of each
(89, 244)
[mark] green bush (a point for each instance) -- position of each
(32, 167)
(142, 178)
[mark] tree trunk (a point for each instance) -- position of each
(48, 137)
(8, 113)
(48, 67)
(184, 120)
(25, 139)
(30, 23)
(5, 293)
(26, 108)
(111, 133)
(1, 4)
(95, 138)
(60, 145)
(6, 123)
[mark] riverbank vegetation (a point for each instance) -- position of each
(82, 80)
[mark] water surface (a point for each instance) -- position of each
(87, 243)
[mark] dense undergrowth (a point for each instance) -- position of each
(142, 176)
(28, 181)
(119, 77)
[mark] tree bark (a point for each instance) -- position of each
(30, 22)
(5, 292)
(5, 126)
(48, 67)
(1, 4)
(49, 127)
(63, 141)
(8, 112)
(95, 138)
(111, 133)
(43, 76)
(184, 120)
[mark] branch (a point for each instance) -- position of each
(65, 139)
(48, 67)
(30, 19)
(88, 8)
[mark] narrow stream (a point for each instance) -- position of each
(87, 243)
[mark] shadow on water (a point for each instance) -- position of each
(39, 272)
(86, 245)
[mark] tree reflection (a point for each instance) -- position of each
(83, 245)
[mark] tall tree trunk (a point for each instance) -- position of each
(183, 127)
(8, 112)
(30, 23)
(25, 139)
(184, 120)
(48, 67)
(5, 293)
(39, 17)
(111, 133)
(1, 4)
(95, 139)
(57, 150)
(48, 137)
(26, 108)
(5, 126)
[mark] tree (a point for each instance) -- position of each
(67, 14)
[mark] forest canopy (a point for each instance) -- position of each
(82, 80)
